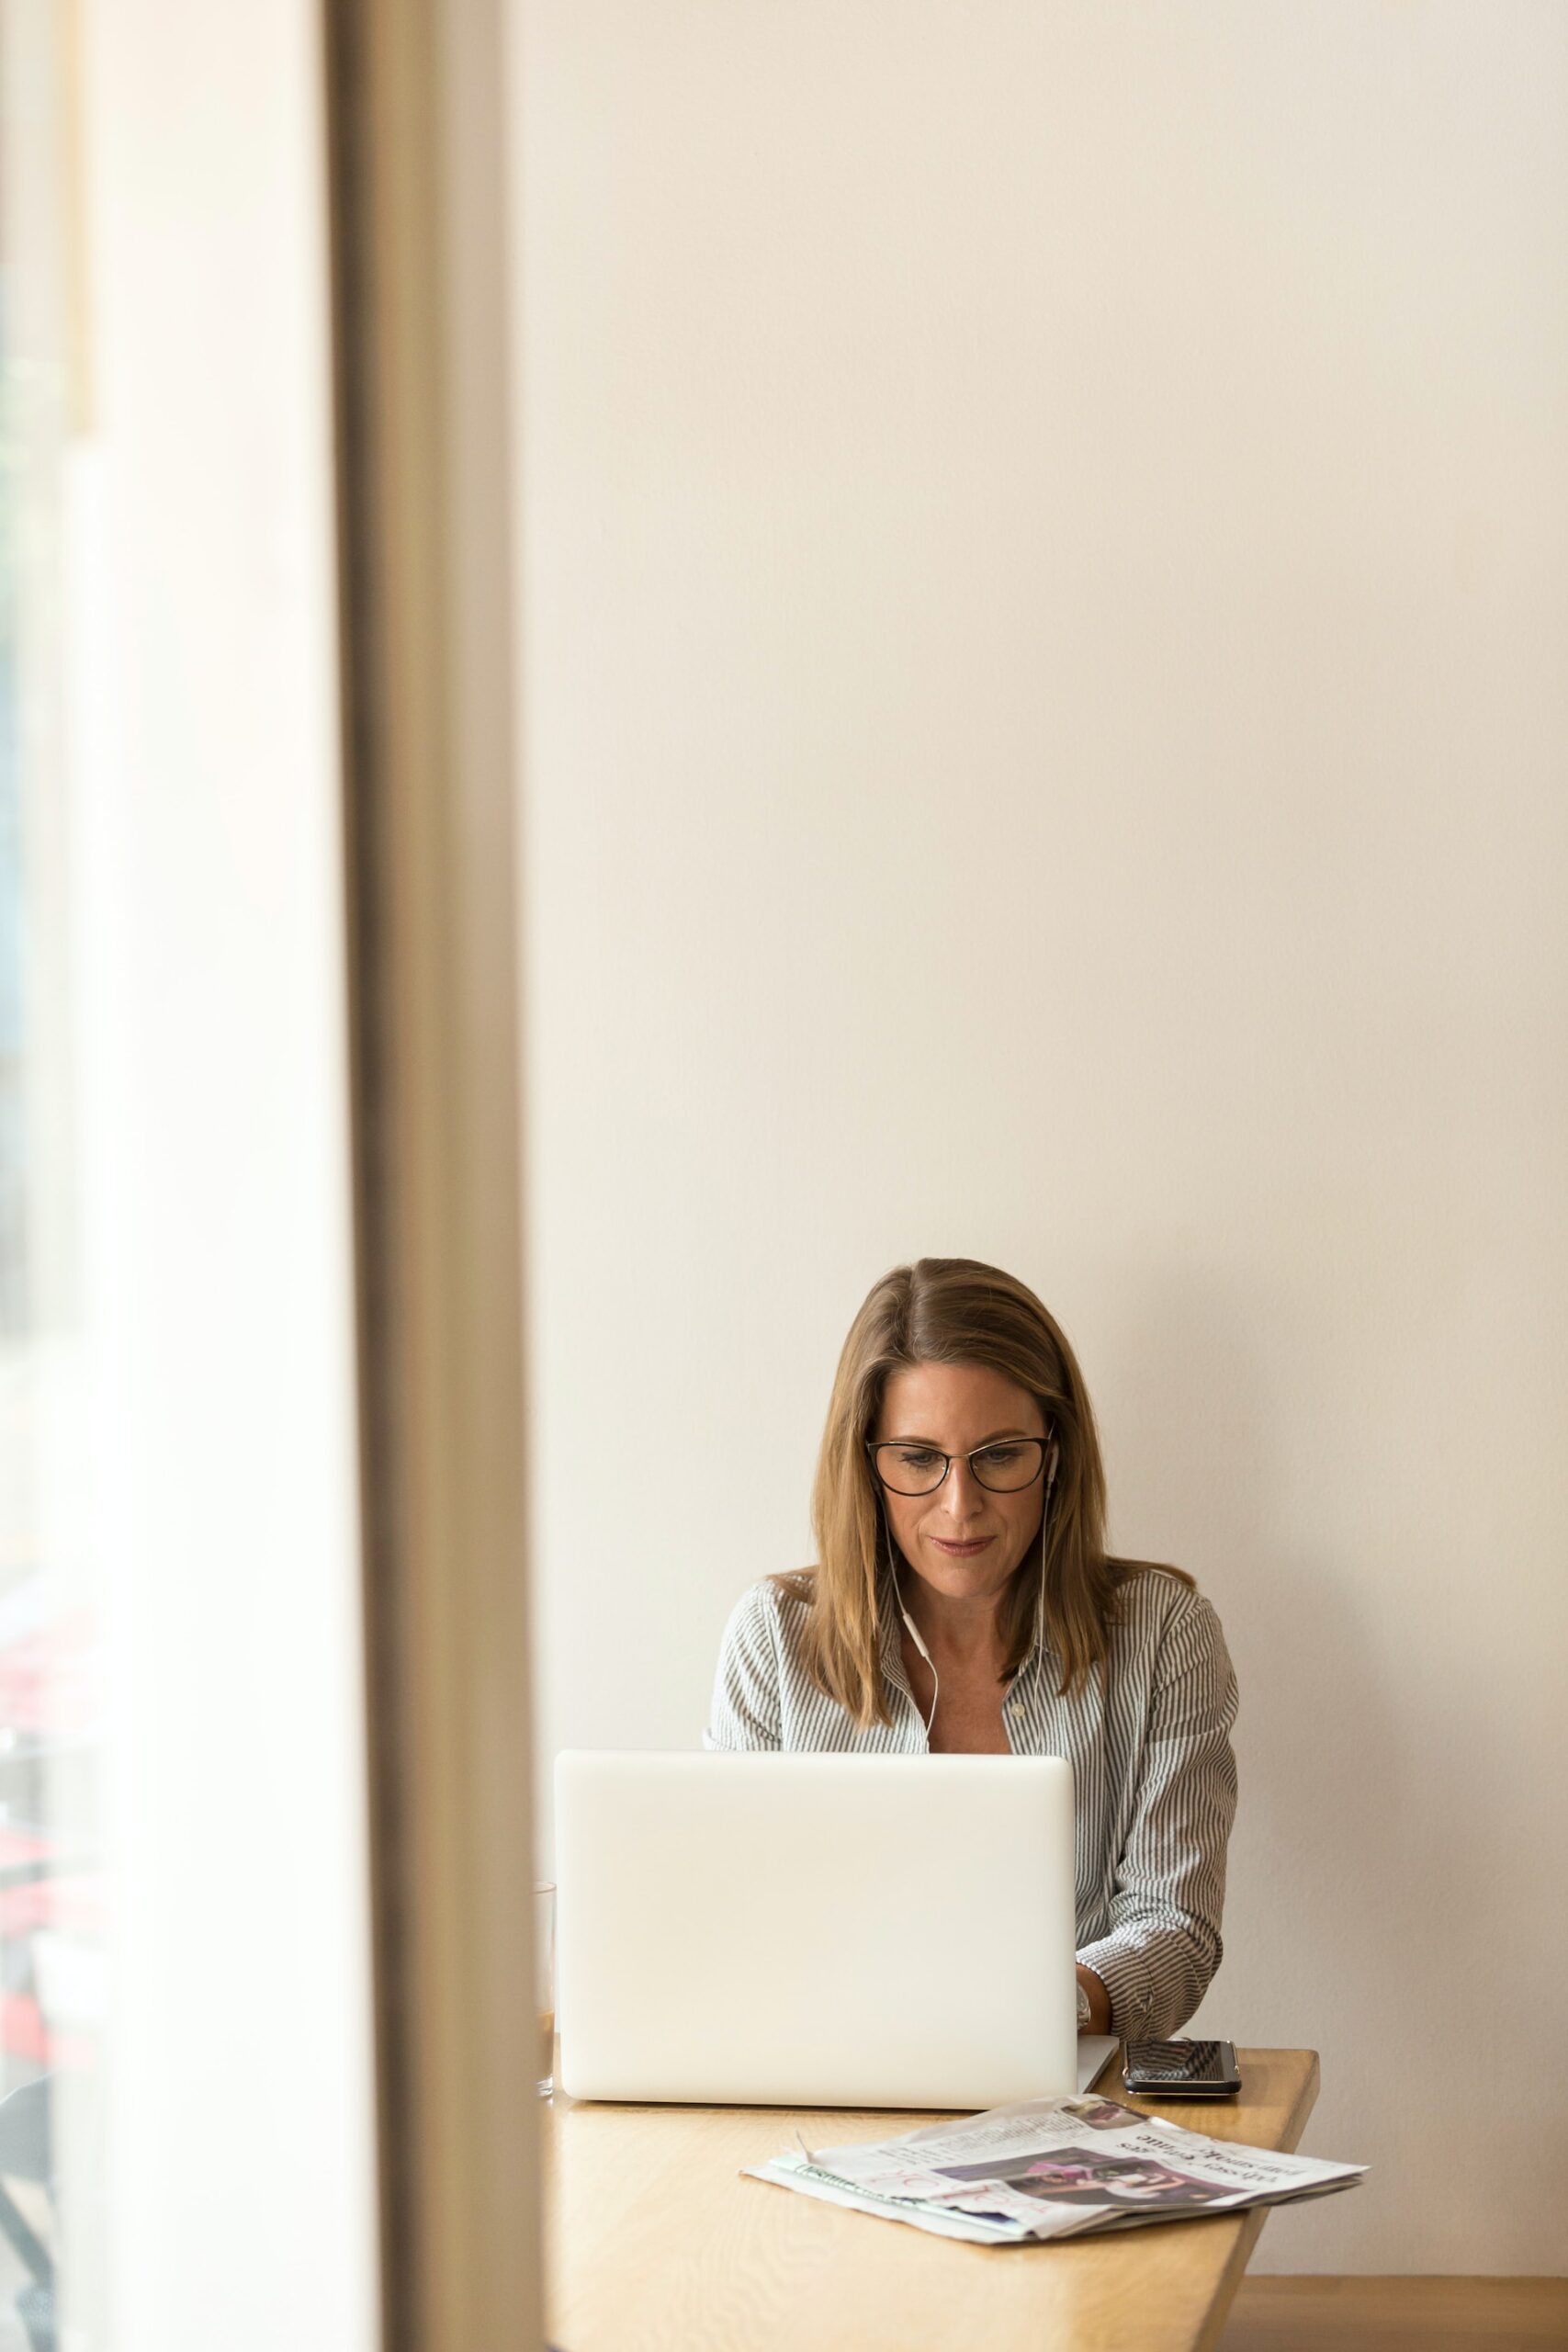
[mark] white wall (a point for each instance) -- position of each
(1046, 562)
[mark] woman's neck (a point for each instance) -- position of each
(965, 1633)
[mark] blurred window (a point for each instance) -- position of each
(51, 1928)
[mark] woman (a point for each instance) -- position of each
(963, 1601)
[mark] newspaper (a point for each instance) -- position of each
(1052, 2168)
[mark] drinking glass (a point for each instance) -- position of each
(544, 1982)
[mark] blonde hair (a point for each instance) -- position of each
(954, 1310)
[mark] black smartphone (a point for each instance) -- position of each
(1181, 2069)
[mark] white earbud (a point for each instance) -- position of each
(915, 1637)
(914, 1629)
(1044, 1524)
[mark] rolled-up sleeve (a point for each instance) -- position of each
(746, 1710)
(1163, 1944)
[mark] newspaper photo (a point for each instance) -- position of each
(1052, 2168)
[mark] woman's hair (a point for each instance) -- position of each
(953, 1310)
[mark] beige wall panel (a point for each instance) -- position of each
(1046, 541)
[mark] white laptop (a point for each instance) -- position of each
(814, 1931)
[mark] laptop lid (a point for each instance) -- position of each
(815, 1931)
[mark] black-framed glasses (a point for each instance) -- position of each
(1005, 1466)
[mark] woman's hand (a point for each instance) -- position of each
(1098, 2002)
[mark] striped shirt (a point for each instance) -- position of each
(1154, 1772)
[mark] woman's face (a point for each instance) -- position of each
(963, 1540)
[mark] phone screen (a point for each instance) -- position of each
(1182, 2063)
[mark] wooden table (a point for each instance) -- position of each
(656, 2244)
